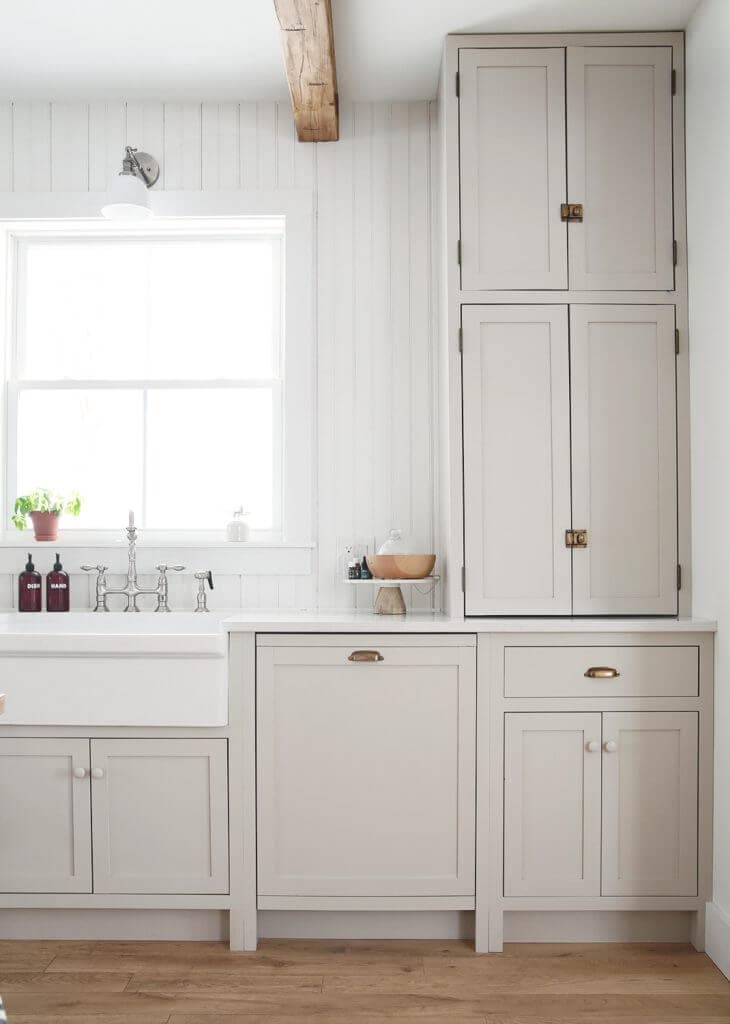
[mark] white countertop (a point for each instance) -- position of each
(425, 622)
(188, 635)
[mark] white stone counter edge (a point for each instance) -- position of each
(367, 622)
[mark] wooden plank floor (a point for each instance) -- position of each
(362, 982)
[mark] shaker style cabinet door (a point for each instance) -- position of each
(552, 804)
(512, 159)
(365, 769)
(160, 815)
(45, 816)
(619, 102)
(650, 804)
(516, 460)
(623, 402)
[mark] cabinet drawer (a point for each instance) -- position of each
(641, 671)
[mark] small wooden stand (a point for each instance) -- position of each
(389, 601)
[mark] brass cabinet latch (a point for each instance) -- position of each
(576, 538)
(571, 212)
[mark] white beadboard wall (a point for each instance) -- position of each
(376, 414)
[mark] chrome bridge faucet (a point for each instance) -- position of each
(132, 590)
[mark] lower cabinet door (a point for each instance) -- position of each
(552, 804)
(366, 770)
(45, 816)
(160, 814)
(650, 804)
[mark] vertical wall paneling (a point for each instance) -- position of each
(247, 145)
(381, 399)
(400, 361)
(266, 116)
(145, 130)
(106, 143)
(363, 450)
(69, 147)
(183, 146)
(6, 147)
(221, 162)
(421, 439)
(286, 142)
(375, 398)
(32, 147)
(340, 487)
(331, 593)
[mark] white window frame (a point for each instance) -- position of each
(47, 217)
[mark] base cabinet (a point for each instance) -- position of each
(159, 809)
(45, 815)
(601, 804)
(160, 816)
(366, 768)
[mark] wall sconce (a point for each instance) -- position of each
(128, 197)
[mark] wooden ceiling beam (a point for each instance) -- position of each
(309, 58)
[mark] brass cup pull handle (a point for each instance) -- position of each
(365, 656)
(601, 672)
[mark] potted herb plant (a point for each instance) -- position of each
(44, 508)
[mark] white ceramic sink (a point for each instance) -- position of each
(113, 669)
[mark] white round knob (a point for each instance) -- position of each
(609, 746)
(97, 773)
(81, 773)
(593, 746)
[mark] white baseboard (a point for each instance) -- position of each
(597, 926)
(717, 937)
(370, 924)
(192, 925)
(212, 925)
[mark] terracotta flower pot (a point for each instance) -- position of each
(45, 525)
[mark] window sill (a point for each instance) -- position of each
(69, 540)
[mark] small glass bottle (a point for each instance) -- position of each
(58, 594)
(237, 530)
(29, 588)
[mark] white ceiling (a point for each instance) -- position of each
(226, 49)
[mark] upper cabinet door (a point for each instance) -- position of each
(620, 167)
(516, 460)
(512, 156)
(623, 402)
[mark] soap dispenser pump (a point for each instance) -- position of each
(29, 588)
(57, 589)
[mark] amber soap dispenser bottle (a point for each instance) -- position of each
(57, 589)
(29, 588)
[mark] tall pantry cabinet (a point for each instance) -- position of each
(563, 259)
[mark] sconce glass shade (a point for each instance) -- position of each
(127, 199)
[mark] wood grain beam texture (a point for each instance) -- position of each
(308, 42)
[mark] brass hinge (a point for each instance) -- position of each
(676, 341)
(458, 252)
(675, 251)
(461, 339)
(571, 212)
(679, 577)
(457, 85)
(576, 538)
(674, 82)
(463, 580)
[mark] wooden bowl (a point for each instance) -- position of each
(401, 567)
